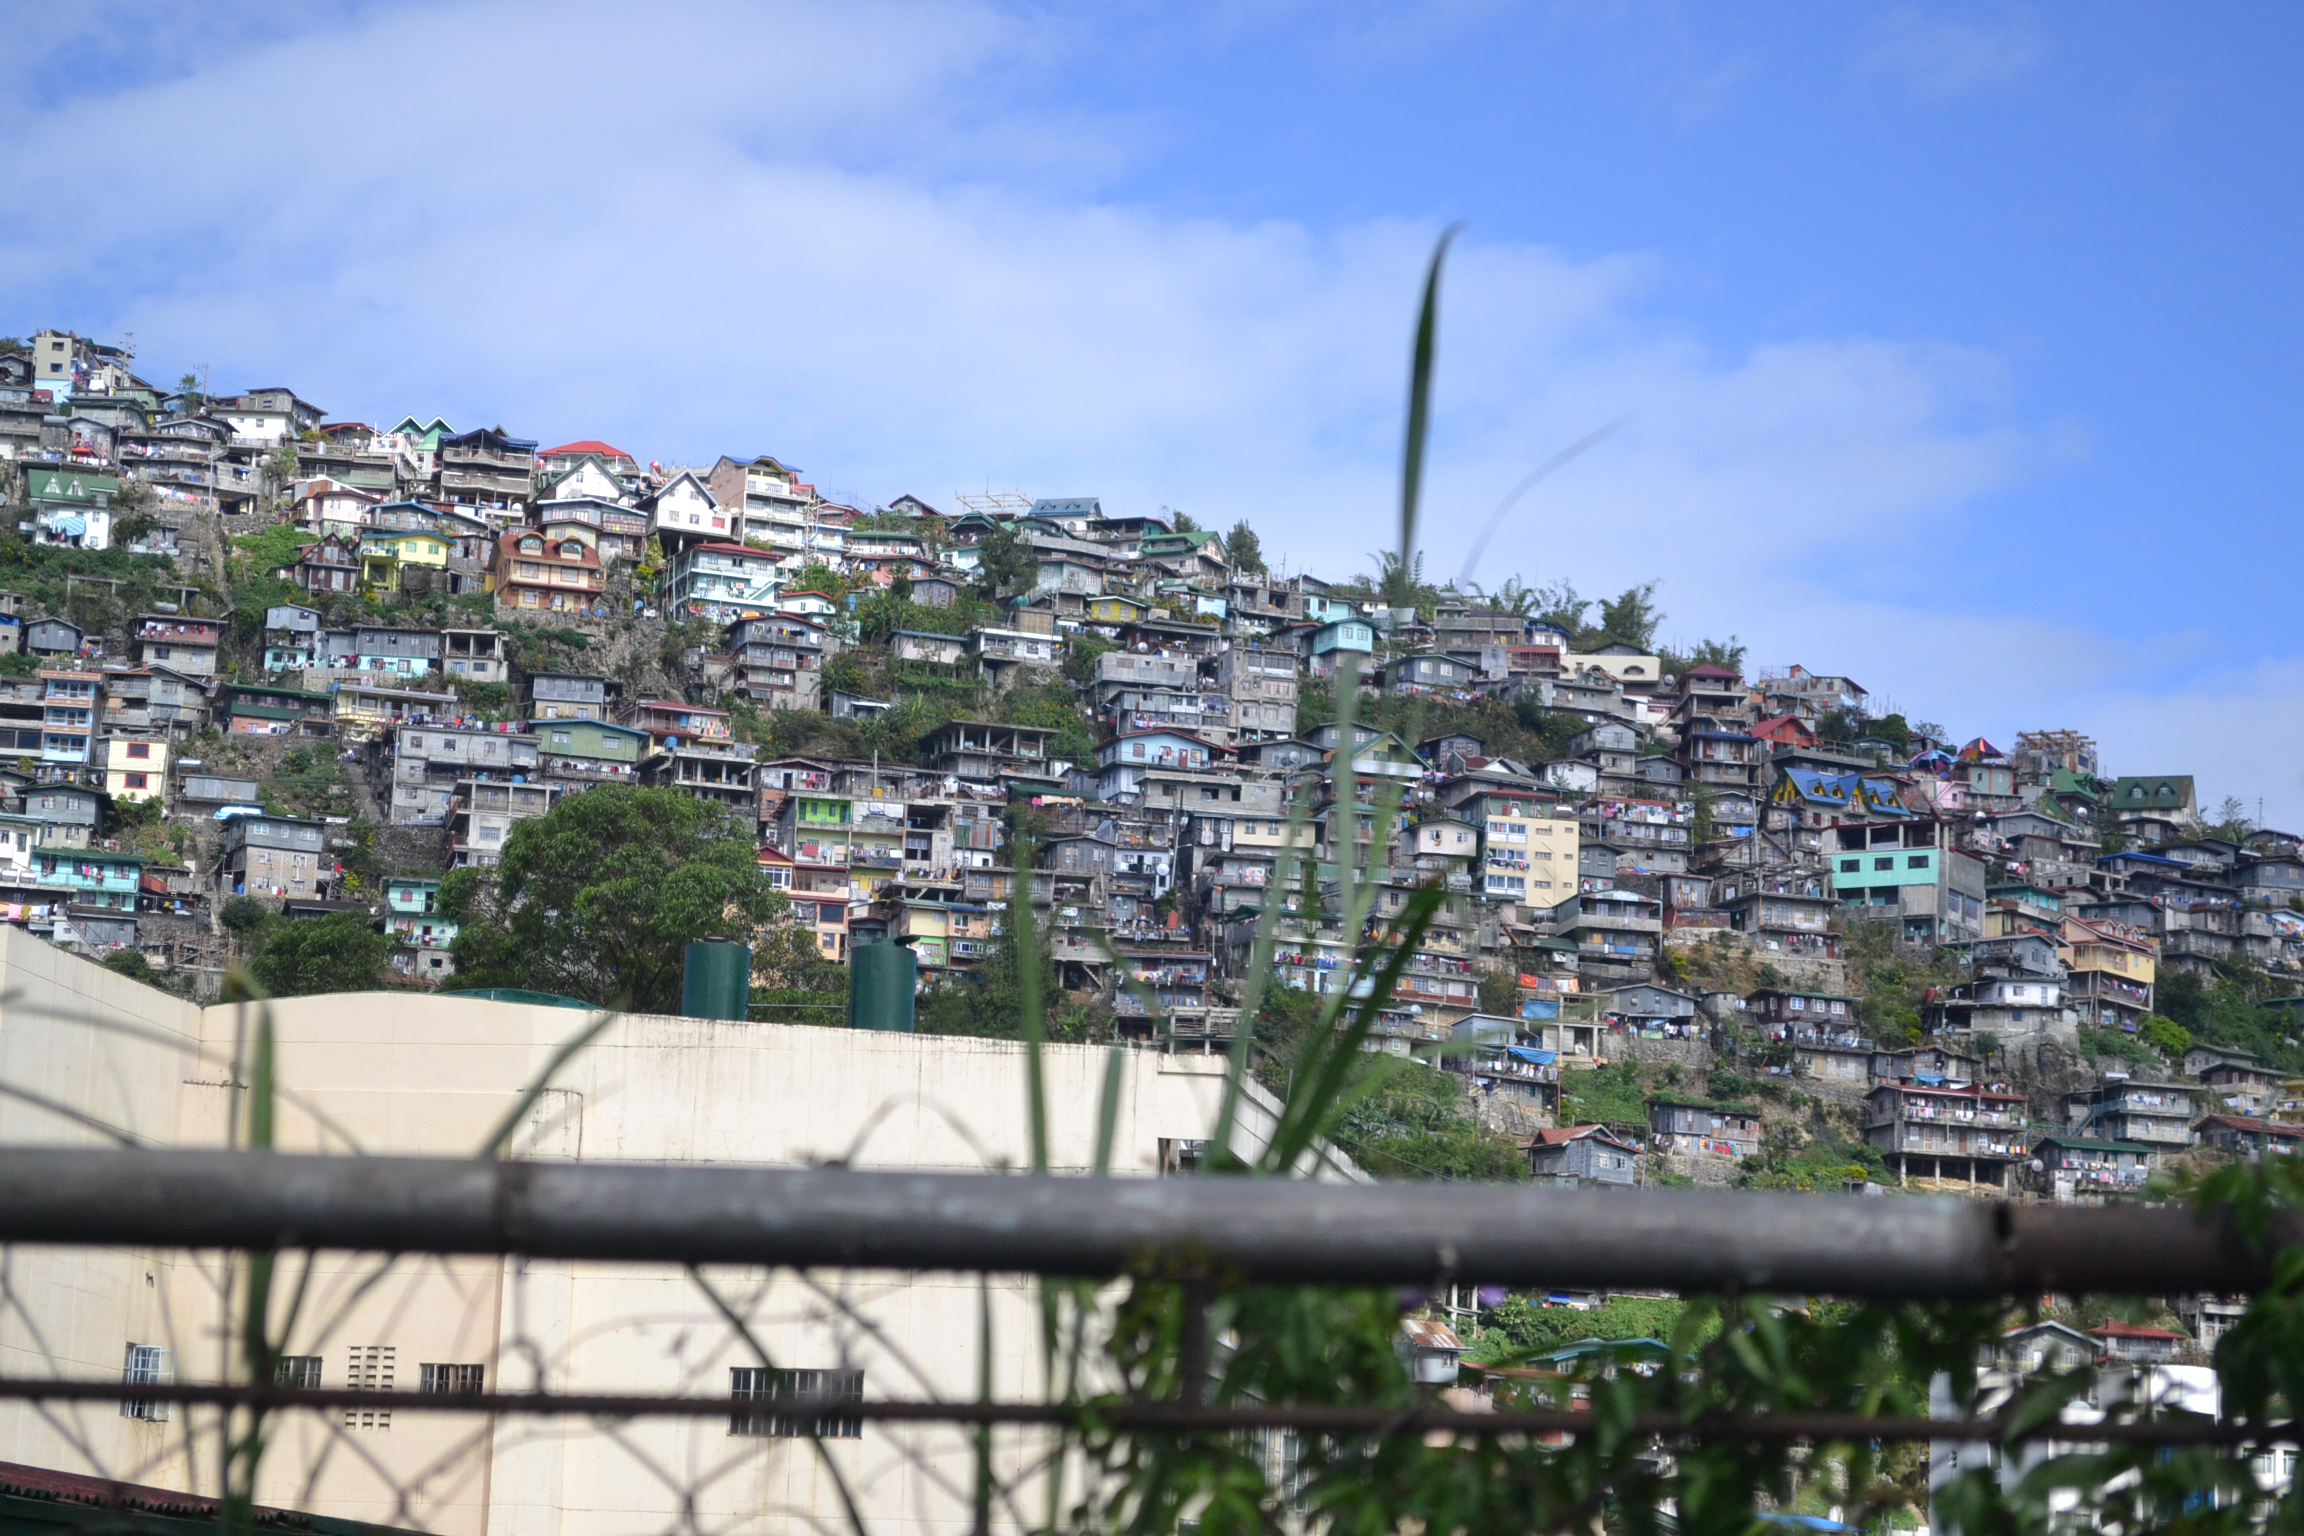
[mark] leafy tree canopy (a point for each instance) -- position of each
(1631, 616)
(2166, 1036)
(1242, 549)
(1413, 1126)
(1521, 1328)
(1007, 567)
(600, 898)
(988, 1001)
(336, 953)
(131, 964)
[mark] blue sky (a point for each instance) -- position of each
(1956, 344)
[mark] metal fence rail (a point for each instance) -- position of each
(1249, 1229)
(1171, 1417)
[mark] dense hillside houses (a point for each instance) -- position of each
(250, 652)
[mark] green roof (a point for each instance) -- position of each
(2065, 781)
(2152, 792)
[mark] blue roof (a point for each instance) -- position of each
(1846, 790)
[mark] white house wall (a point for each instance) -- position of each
(416, 1074)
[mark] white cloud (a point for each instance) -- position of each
(1944, 56)
(869, 240)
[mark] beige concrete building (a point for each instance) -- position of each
(417, 1074)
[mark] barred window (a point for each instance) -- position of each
(297, 1371)
(451, 1378)
(756, 1384)
(147, 1365)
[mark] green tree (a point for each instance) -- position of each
(1559, 606)
(1514, 596)
(988, 1001)
(1415, 1126)
(244, 917)
(1523, 1327)
(1006, 567)
(816, 576)
(600, 898)
(1243, 551)
(1080, 653)
(1631, 616)
(1893, 730)
(790, 968)
(2164, 1035)
(336, 953)
(1499, 993)
(2183, 997)
(1182, 520)
(132, 964)
(1727, 654)
(1401, 584)
(2232, 822)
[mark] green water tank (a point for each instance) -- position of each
(717, 983)
(882, 979)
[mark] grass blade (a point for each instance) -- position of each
(499, 1138)
(1108, 1108)
(1419, 415)
(1034, 1023)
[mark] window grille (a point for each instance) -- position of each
(451, 1378)
(147, 1365)
(369, 1367)
(297, 1371)
(757, 1384)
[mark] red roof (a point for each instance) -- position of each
(2116, 1329)
(587, 445)
(2259, 1127)
(1708, 670)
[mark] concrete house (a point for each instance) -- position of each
(182, 644)
(275, 856)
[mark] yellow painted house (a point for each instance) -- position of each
(386, 556)
(1114, 609)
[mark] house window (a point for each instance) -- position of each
(299, 1371)
(138, 780)
(1887, 863)
(1917, 861)
(759, 1384)
(369, 1368)
(147, 1365)
(139, 749)
(451, 1378)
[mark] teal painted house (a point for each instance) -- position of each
(89, 877)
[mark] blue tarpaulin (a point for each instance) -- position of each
(1532, 1056)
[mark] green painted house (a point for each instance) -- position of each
(590, 751)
